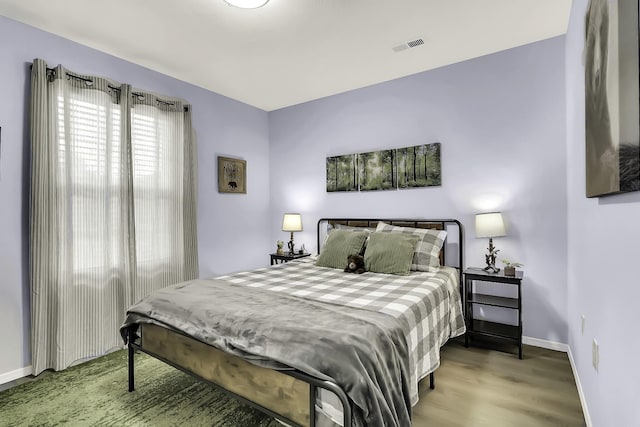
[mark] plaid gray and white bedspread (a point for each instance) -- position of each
(428, 304)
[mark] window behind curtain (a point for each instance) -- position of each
(91, 162)
(90, 175)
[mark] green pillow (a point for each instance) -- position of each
(339, 245)
(390, 253)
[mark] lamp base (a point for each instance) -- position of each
(490, 258)
(491, 269)
(291, 245)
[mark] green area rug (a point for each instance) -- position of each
(95, 394)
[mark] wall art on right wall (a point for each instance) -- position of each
(612, 106)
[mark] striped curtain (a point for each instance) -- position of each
(112, 212)
(163, 189)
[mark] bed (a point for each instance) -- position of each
(310, 344)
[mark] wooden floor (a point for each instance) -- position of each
(481, 387)
(478, 387)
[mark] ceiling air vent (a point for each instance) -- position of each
(408, 45)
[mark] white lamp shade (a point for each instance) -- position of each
(292, 222)
(490, 225)
(247, 4)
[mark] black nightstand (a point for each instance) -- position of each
(477, 327)
(286, 257)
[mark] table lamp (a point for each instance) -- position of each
(291, 222)
(490, 225)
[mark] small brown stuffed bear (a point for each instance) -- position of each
(355, 264)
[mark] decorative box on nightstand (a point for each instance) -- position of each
(485, 328)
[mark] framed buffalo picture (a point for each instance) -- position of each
(612, 96)
(232, 175)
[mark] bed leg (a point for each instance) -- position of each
(312, 405)
(346, 411)
(432, 381)
(131, 357)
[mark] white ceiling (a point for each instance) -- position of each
(292, 51)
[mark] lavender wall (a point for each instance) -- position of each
(501, 122)
(228, 225)
(603, 236)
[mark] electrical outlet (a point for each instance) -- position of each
(584, 321)
(595, 354)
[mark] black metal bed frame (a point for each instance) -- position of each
(314, 383)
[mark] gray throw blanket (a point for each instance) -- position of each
(364, 352)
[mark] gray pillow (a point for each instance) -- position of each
(427, 254)
(339, 245)
(390, 253)
(334, 227)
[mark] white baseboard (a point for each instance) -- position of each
(14, 375)
(583, 401)
(550, 345)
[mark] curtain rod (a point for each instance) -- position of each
(89, 80)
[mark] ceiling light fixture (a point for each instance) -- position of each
(247, 4)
